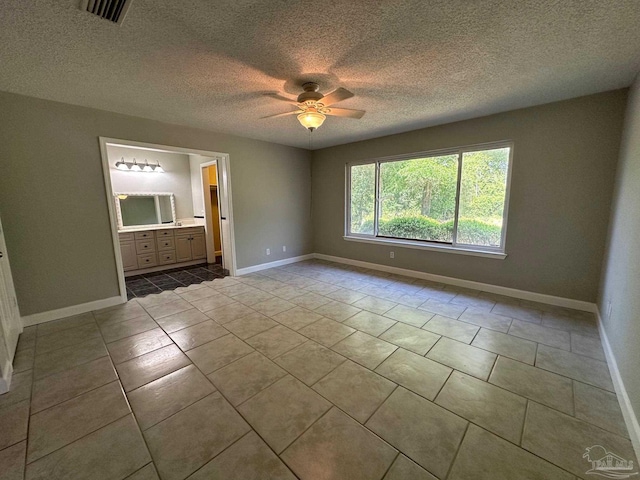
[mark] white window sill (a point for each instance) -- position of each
(431, 247)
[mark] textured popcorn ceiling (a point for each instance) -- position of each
(411, 63)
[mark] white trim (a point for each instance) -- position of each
(116, 142)
(5, 378)
(277, 263)
(145, 194)
(115, 239)
(427, 246)
(630, 418)
(225, 203)
(459, 151)
(43, 317)
(208, 213)
(229, 259)
(485, 287)
(224, 162)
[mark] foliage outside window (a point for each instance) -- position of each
(455, 198)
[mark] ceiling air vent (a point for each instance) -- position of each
(112, 10)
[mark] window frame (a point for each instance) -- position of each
(454, 247)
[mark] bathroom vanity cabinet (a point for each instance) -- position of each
(145, 250)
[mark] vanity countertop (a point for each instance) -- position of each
(158, 227)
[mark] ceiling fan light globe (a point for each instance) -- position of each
(311, 120)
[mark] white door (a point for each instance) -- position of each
(10, 324)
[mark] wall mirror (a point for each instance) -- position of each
(143, 209)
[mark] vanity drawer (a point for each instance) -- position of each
(126, 237)
(184, 232)
(164, 233)
(143, 235)
(168, 243)
(143, 246)
(147, 260)
(165, 258)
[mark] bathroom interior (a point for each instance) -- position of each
(168, 211)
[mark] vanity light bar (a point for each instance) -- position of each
(135, 167)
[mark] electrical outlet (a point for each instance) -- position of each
(392, 255)
(284, 248)
(268, 251)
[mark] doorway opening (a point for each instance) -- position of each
(171, 215)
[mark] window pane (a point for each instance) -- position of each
(418, 198)
(482, 194)
(363, 198)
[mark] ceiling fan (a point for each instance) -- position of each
(313, 106)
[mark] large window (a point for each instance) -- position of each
(456, 199)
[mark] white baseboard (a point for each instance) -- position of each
(277, 263)
(43, 317)
(629, 415)
(484, 287)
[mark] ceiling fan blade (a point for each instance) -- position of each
(277, 96)
(295, 112)
(346, 112)
(336, 96)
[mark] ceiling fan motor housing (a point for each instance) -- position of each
(311, 93)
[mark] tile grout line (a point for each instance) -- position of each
(524, 423)
(397, 386)
(235, 408)
(288, 373)
(84, 392)
(386, 472)
(573, 380)
(76, 365)
(535, 454)
(172, 278)
(79, 438)
(131, 412)
(141, 468)
(455, 455)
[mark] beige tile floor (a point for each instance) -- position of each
(316, 371)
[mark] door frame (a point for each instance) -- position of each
(10, 321)
(223, 161)
(208, 214)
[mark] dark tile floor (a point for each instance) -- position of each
(143, 285)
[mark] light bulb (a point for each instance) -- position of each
(135, 167)
(311, 119)
(121, 165)
(158, 169)
(147, 167)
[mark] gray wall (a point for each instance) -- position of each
(176, 178)
(621, 268)
(565, 155)
(54, 207)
